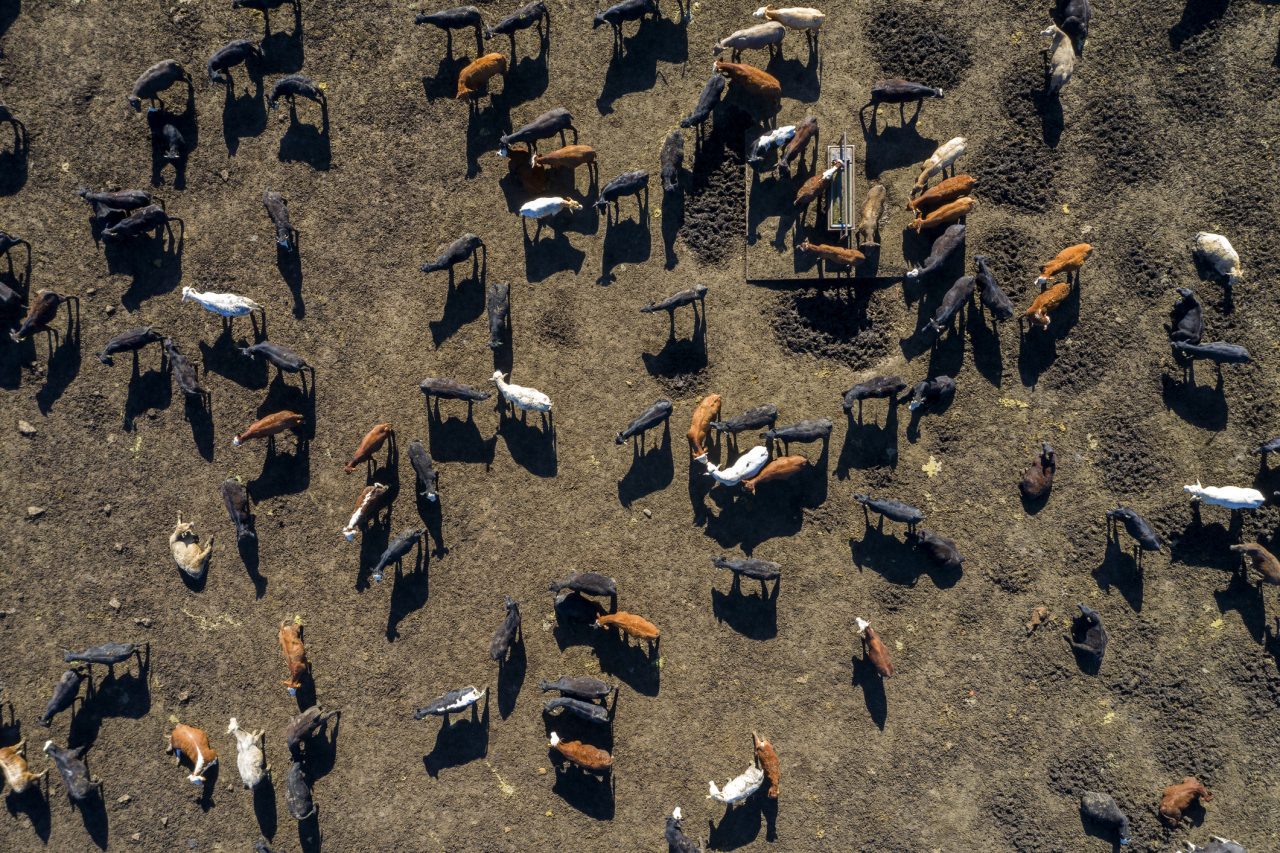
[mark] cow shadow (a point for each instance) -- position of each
(462, 304)
(752, 616)
(680, 356)
(282, 52)
(224, 358)
(409, 592)
(1246, 599)
(894, 148)
(738, 827)
(873, 695)
(767, 197)
(153, 262)
(800, 80)
(511, 672)
(634, 662)
(1207, 545)
(532, 445)
(93, 814)
(626, 241)
(432, 515)
(152, 390)
(1199, 405)
(745, 522)
(459, 742)
(289, 265)
(1197, 17)
(651, 470)
(15, 160)
(528, 78)
(62, 367)
(633, 64)
(1120, 570)
(33, 803)
(544, 257)
(672, 222)
(456, 440)
(307, 143)
(264, 808)
(868, 444)
(485, 128)
(985, 342)
(589, 794)
(283, 473)
(898, 561)
(243, 116)
(444, 83)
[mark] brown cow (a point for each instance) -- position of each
(781, 468)
(13, 763)
(833, 254)
(1048, 300)
(1178, 798)
(195, 743)
(533, 178)
(948, 213)
(1069, 260)
(270, 426)
(1263, 561)
(874, 649)
(868, 233)
(369, 445)
(582, 754)
(815, 186)
(473, 81)
(750, 79)
(630, 624)
(568, 157)
(949, 190)
(768, 759)
(708, 410)
(295, 655)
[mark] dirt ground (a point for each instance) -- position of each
(982, 740)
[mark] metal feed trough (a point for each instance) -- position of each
(841, 211)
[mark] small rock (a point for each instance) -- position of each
(648, 513)
(119, 546)
(34, 512)
(26, 428)
(184, 697)
(105, 509)
(164, 821)
(91, 291)
(114, 603)
(191, 844)
(137, 836)
(224, 174)
(144, 621)
(123, 799)
(111, 309)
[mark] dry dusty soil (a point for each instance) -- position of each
(982, 740)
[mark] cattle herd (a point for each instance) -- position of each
(940, 200)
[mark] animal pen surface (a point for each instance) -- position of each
(983, 739)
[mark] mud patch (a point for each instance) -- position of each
(913, 41)
(1008, 251)
(716, 203)
(1018, 173)
(1133, 461)
(850, 329)
(1128, 147)
(558, 325)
